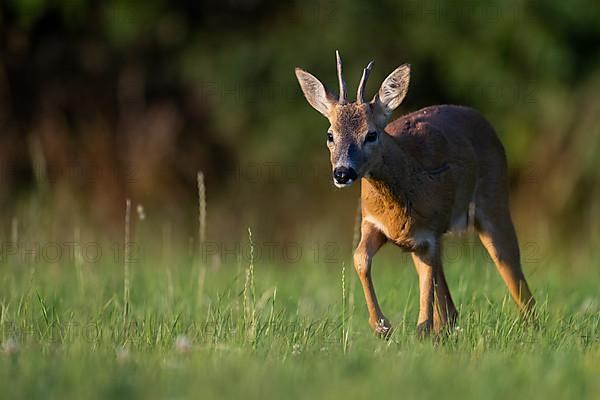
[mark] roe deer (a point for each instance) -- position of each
(422, 175)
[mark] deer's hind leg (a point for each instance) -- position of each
(445, 313)
(436, 308)
(497, 234)
(428, 262)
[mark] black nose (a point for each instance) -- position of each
(343, 175)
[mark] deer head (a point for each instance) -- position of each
(356, 128)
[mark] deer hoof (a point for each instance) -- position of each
(424, 329)
(383, 328)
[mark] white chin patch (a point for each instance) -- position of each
(343, 185)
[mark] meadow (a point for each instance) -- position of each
(103, 101)
(252, 329)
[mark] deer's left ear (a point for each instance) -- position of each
(315, 92)
(392, 90)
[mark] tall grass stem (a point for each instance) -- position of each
(201, 236)
(126, 271)
(249, 288)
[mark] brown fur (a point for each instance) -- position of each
(419, 181)
(350, 119)
(436, 162)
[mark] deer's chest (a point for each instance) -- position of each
(390, 216)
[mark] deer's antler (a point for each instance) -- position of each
(343, 98)
(360, 94)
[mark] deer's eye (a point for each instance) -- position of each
(329, 137)
(371, 137)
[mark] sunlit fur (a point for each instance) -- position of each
(423, 176)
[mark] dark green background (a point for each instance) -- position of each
(173, 87)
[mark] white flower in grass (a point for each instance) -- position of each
(296, 349)
(122, 354)
(10, 346)
(183, 344)
(140, 212)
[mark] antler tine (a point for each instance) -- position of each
(343, 99)
(360, 95)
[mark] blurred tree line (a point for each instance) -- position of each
(106, 100)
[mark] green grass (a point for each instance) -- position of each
(65, 335)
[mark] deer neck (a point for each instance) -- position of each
(393, 173)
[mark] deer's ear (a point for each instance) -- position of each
(316, 94)
(392, 90)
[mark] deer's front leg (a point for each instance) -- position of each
(427, 262)
(370, 242)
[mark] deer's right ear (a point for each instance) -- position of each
(316, 94)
